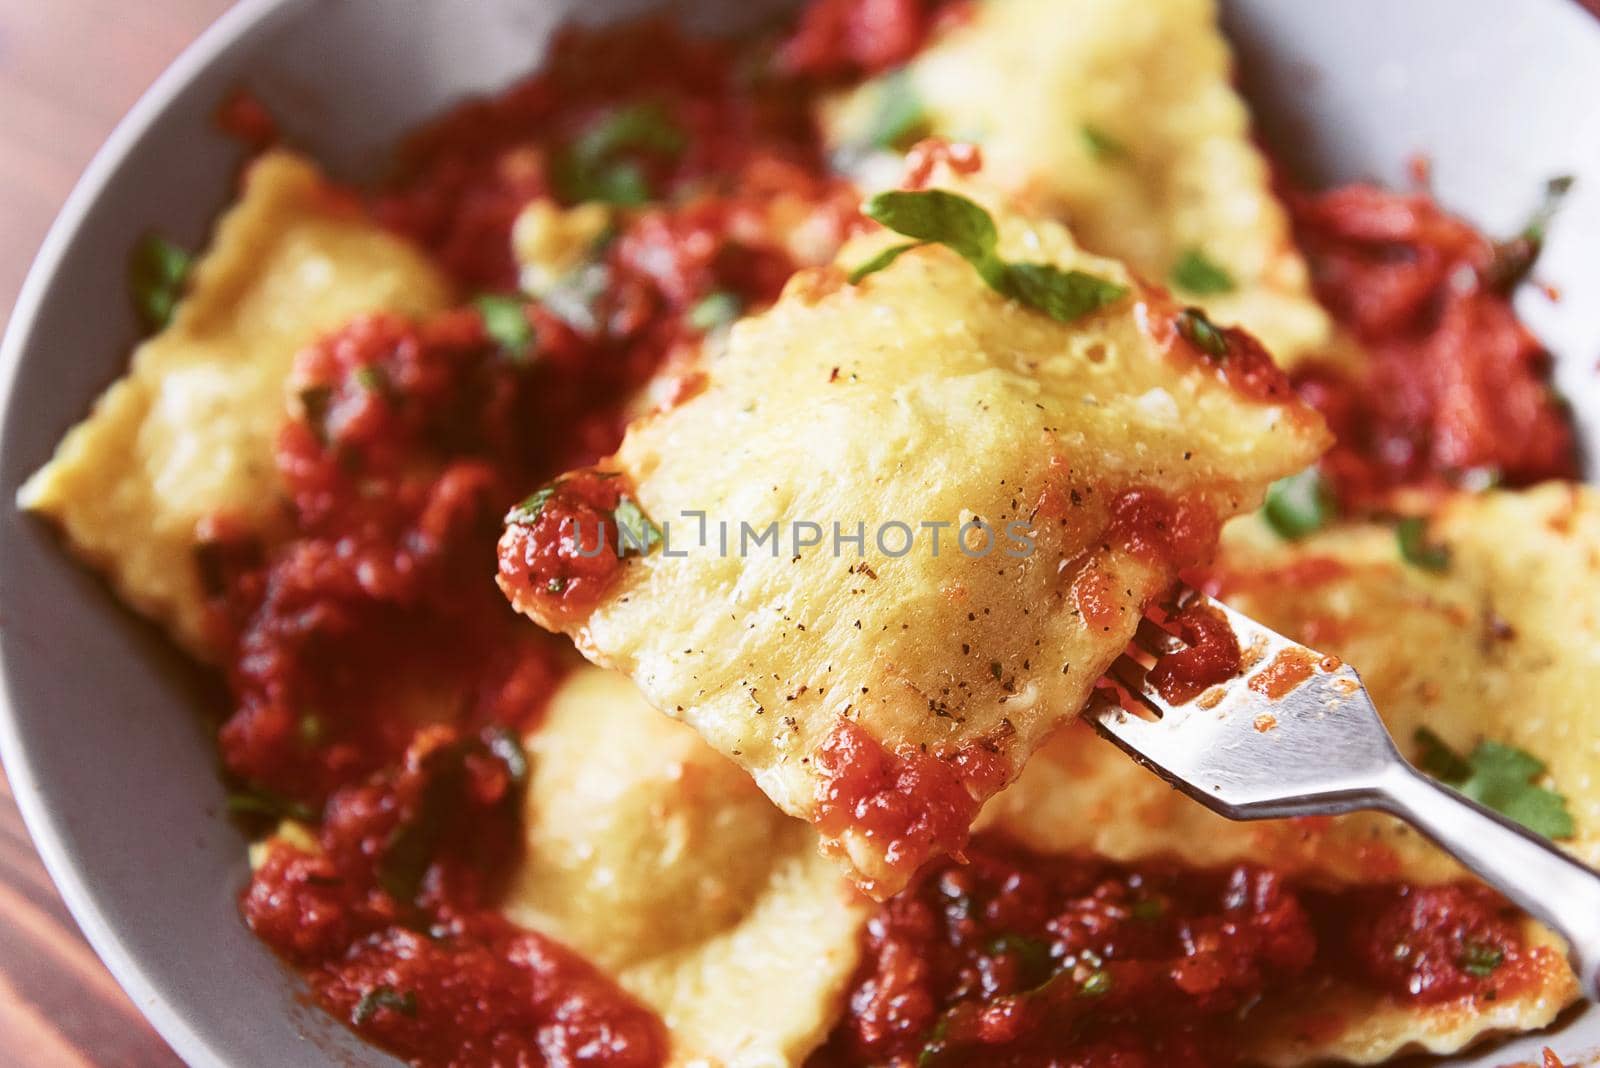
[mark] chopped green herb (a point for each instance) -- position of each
(526, 513)
(945, 218)
(157, 271)
(996, 670)
(1065, 296)
(372, 378)
(714, 310)
(1102, 146)
(1501, 777)
(1514, 259)
(1479, 959)
(636, 534)
(505, 319)
(1031, 953)
(900, 120)
(1438, 759)
(413, 844)
(1196, 273)
(383, 997)
(257, 802)
(934, 1046)
(1202, 333)
(881, 260)
(556, 585)
(941, 216)
(591, 169)
(1412, 535)
(1299, 505)
(1097, 985)
(1555, 192)
(636, 127)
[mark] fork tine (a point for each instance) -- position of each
(1129, 674)
(1155, 641)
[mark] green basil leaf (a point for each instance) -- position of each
(1202, 333)
(1501, 777)
(1065, 296)
(1299, 505)
(1412, 535)
(945, 218)
(383, 997)
(157, 271)
(505, 319)
(715, 310)
(1102, 146)
(900, 120)
(1480, 960)
(636, 127)
(253, 801)
(940, 216)
(527, 512)
(1196, 273)
(636, 534)
(594, 167)
(881, 260)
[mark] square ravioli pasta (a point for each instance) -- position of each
(897, 530)
(185, 439)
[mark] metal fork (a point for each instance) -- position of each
(1251, 752)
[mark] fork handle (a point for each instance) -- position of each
(1526, 868)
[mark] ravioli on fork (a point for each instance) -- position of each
(896, 531)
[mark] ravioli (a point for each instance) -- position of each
(881, 692)
(1503, 645)
(661, 862)
(1120, 117)
(187, 434)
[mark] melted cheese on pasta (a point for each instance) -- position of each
(188, 432)
(1502, 645)
(1120, 117)
(920, 396)
(661, 862)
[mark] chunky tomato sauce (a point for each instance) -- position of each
(1458, 390)
(380, 683)
(1018, 959)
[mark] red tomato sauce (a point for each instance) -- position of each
(562, 547)
(908, 804)
(1211, 655)
(1020, 959)
(1458, 390)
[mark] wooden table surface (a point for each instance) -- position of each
(69, 69)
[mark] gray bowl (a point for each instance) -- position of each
(99, 724)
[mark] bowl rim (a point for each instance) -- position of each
(212, 46)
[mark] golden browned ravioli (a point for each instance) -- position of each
(1497, 641)
(1119, 117)
(904, 526)
(659, 860)
(187, 434)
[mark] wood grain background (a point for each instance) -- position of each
(69, 69)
